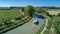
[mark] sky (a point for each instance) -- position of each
(8, 3)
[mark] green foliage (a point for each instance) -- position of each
(59, 14)
(46, 31)
(57, 26)
(56, 22)
(8, 25)
(43, 11)
(29, 10)
(11, 14)
(37, 10)
(6, 17)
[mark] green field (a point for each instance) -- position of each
(9, 19)
(9, 13)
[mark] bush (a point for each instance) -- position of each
(59, 14)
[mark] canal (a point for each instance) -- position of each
(28, 28)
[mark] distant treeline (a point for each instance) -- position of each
(8, 8)
(49, 7)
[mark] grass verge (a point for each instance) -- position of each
(21, 22)
(41, 28)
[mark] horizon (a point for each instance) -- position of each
(35, 3)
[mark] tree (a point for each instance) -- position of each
(37, 10)
(29, 10)
(43, 11)
(58, 14)
(22, 8)
(49, 14)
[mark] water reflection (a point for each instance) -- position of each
(35, 16)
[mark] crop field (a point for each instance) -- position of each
(10, 19)
(54, 12)
(11, 14)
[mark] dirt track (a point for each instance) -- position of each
(44, 27)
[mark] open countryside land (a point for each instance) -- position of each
(29, 20)
(29, 16)
(50, 27)
(54, 12)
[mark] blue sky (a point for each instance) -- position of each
(7, 3)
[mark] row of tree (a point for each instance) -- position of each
(29, 10)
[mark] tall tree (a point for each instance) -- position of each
(29, 10)
(37, 10)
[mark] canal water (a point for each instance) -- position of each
(28, 28)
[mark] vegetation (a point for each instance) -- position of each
(41, 28)
(29, 10)
(55, 28)
(15, 24)
(9, 19)
(53, 23)
(59, 14)
(37, 10)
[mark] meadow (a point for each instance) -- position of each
(11, 14)
(10, 19)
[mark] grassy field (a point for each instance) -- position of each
(9, 13)
(52, 23)
(10, 19)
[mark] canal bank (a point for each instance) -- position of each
(27, 28)
(15, 26)
(41, 28)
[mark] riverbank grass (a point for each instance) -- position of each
(10, 19)
(41, 28)
(18, 23)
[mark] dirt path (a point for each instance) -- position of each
(44, 27)
(52, 30)
(21, 12)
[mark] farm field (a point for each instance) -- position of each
(54, 12)
(10, 19)
(29, 17)
(53, 20)
(9, 13)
